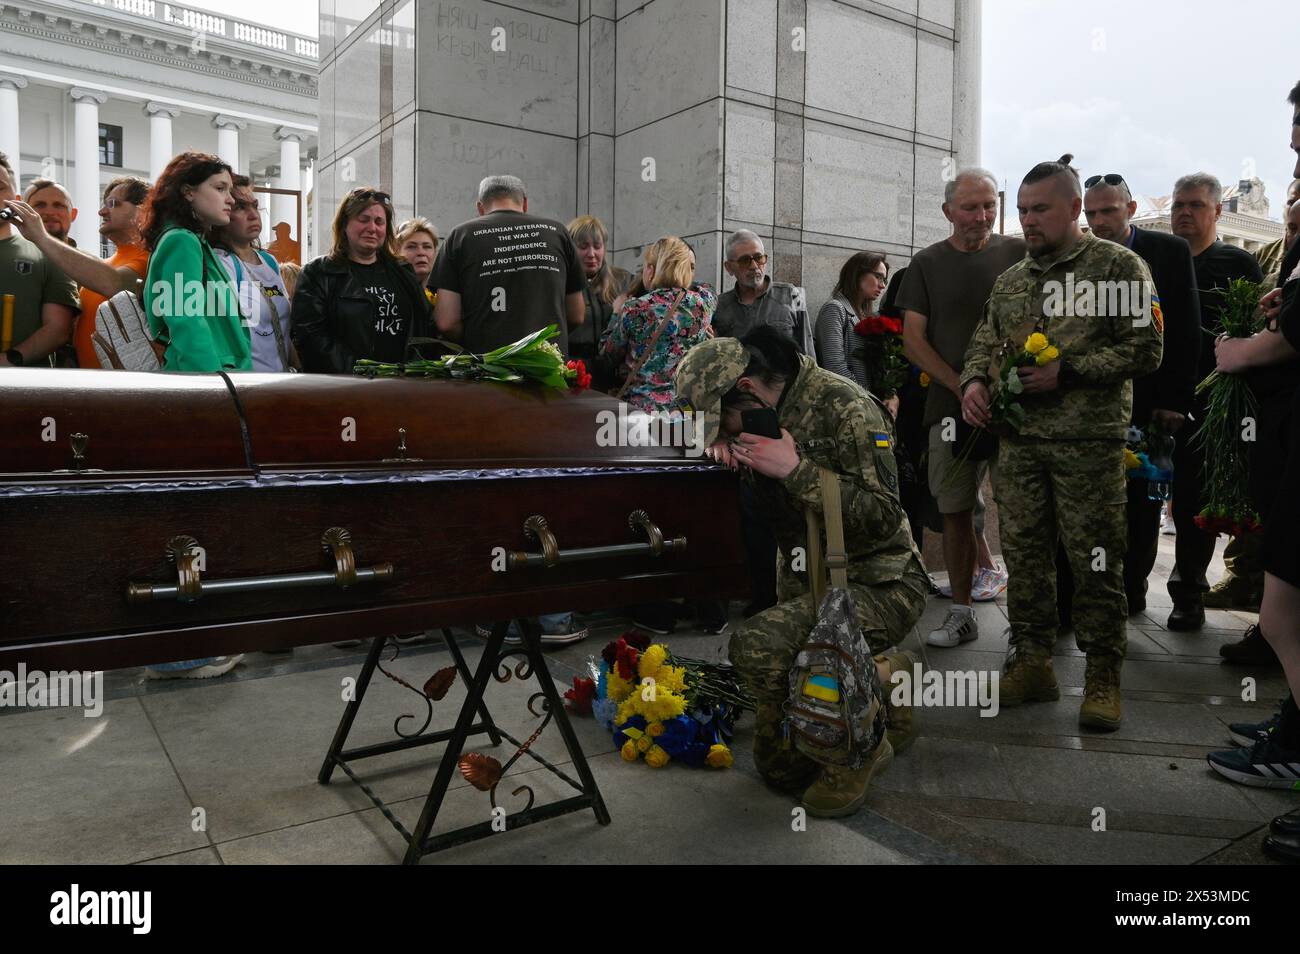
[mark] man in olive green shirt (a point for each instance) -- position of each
(45, 300)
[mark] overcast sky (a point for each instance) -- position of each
(1151, 89)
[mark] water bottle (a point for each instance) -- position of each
(1160, 451)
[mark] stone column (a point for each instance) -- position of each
(160, 136)
(228, 129)
(9, 87)
(966, 85)
(285, 208)
(85, 175)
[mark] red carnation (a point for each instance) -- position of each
(580, 696)
(627, 661)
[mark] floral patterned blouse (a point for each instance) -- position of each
(629, 334)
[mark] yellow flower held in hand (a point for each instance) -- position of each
(1036, 342)
(1047, 356)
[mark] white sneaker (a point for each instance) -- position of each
(988, 584)
(945, 589)
(959, 626)
(1167, 525)
(217, 667)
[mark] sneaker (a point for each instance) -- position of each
(1247, 734)
(1252, 649)
(485, 632)
(658, 627)
(944, 589)
(1264, 765)
(959, 626)
(216, 667)
(412, 638)
(1167, 524)
(988, 584)
(716, 629)
(563, 638)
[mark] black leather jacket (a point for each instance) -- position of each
(333, 318)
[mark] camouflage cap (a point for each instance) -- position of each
(707, 372)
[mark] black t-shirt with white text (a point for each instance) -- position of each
(512, 271)
(392, 310)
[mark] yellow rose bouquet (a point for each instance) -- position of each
(1004, 407)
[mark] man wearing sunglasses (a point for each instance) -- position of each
(1161, 399)
(756, 300)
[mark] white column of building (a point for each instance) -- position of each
(9, 87)
(160, 135)
(228, 129)
(308, 183)
(85, 175)
(285, 208)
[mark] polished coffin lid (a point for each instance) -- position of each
(256, 468)
(156, 424)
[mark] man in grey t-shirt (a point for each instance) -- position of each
(943, 298)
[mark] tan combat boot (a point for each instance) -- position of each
(901, 719)
(840, 791)
(1101, 697)
(1232, 592)
(1028, 679)
(782, 766)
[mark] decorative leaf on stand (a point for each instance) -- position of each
(481, 771)
(440, 683)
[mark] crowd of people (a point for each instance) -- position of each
(909, 455)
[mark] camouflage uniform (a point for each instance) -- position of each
(1063, 473)
(837, 425)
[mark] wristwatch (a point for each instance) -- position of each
(14, 357)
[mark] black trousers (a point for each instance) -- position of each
(1193, 547)
(1139, 556)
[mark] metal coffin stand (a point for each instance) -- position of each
(473, 720)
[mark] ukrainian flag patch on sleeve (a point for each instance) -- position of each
(881, 440)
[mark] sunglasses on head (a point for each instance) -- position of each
(372, 194)
(1110, 178)
(745, 261)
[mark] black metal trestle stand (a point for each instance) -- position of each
(474, 719)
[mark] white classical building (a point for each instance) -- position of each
(95, 89)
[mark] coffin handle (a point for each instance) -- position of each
(337, 542)
(536, 527)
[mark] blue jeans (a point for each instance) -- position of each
(182, 665)
(550, 623)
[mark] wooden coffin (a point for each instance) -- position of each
(148, 518)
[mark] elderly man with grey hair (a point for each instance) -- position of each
(942, 297)
(756, 300)
(501, 277)
(1197, 205)
(507, 273)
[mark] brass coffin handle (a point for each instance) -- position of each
(551, 555)
(186, 553)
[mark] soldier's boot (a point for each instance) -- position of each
(782, 766)
(901, 719)
(1028, 679)
(841, 791)
(1101, 695)
(1233, 592)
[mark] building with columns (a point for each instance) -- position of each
(826, 126)
(95, 89)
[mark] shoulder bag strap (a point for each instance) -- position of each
(836, 558)
(650, 346)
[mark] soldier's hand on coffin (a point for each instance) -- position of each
(1038, 380)
(767, 455)
(975, 404)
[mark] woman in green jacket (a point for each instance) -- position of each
(192, 306)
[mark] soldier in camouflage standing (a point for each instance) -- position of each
(1062, 475)
(826, 421)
